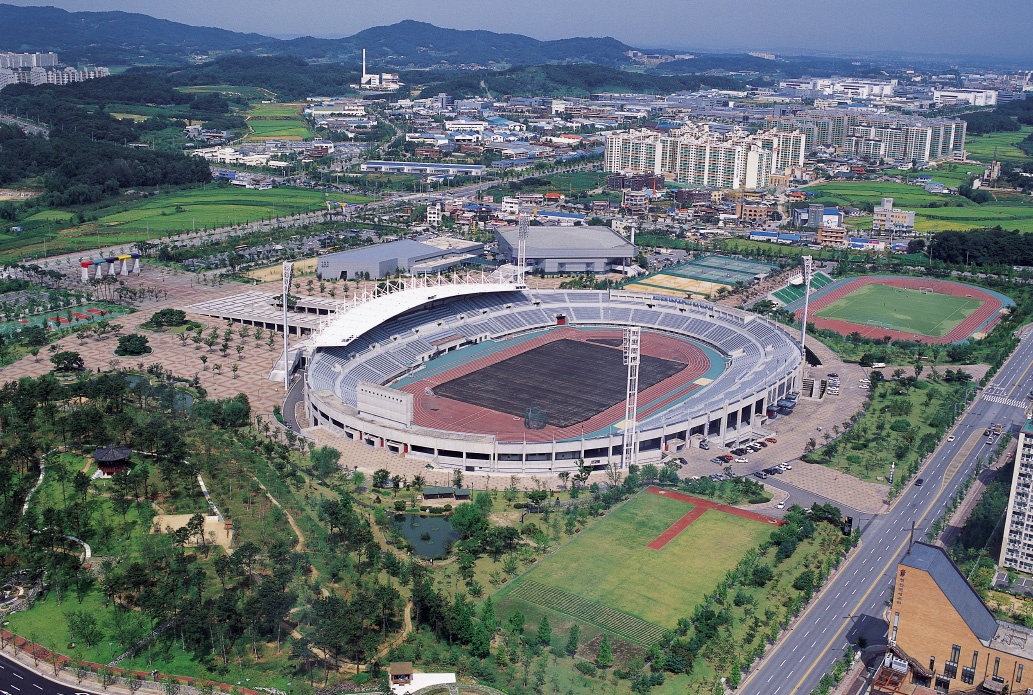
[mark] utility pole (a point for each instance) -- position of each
(808, 266)
(288, 272)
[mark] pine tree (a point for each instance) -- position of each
(488, 617)
(572, 639)
(605, 656)
(544, 631)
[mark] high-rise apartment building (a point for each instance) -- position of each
(696, 156)
(1017, 548)
(891, 137)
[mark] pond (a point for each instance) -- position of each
(430, 536)
(181, 400)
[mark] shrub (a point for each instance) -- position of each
(586, 667)
(167, 318)
(132, 345)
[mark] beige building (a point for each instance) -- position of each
(890, 219)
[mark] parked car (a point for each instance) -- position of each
(727, 458)
(704, 446)
(785, 466)
(771, 440)
(761, 474)
(763, 444)
(781, 505)
(742, 459)
(919, 482)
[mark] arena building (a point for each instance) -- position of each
(560, 250)
(406, 255)
(486, 375)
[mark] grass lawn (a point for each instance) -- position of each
(277, 122)
(248, 93)
(931, 314)
(567, 184)
(981, 147)
(610, 564)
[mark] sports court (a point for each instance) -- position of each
(702, 276)
(543, 377)
(919, 311)
(905, 308)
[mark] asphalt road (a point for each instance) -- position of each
(15, 679)
(854, 602)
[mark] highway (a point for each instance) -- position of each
(854, 601)
(15, 679)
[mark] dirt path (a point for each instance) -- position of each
(300, 546)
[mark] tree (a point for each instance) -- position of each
(381, 477)
(573, 637)
(325, 460)
(544, 634)
(457, 478)
(132, 345)
(67, 361)
(168, 318)
(605, 657)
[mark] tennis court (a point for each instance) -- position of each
(723, 270)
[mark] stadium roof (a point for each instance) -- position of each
(591, 238)
(351, 323)
(403, 248)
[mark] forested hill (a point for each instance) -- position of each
(560, 80)
(111, 38)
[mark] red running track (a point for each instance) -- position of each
(442, 413)
(701, 505)
(991, 307)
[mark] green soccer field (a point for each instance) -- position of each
(900, 309)
(607, 572)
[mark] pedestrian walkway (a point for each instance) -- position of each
(700, 506)
(1004, 400)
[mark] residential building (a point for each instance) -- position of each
(817, 215)
(1017, 548)
(949, 638)
(892, 137)
(636, 202)
(634, 181)
(830, 236)
(28, 60)
(695, 155)
(753, 213)
(890, 219)
(560, 250)
(434, 211)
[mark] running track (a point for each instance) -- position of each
(982, 318)
(702, 505)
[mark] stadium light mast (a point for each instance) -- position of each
(632, 354)
(288, 272)
(808, 267)
(522, 230)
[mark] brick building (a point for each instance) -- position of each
(948, 636)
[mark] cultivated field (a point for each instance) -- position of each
(607, 576)
(277, 122)
(982, 147)
(229, 90)
(902, 309)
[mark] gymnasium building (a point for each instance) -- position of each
(944, 639)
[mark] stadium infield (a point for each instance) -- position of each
(950, 313)
(543, 377)
(609, 577)
(576, 377)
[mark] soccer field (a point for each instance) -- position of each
(609, 577)
(931, 314)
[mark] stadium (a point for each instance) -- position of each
(485, 375)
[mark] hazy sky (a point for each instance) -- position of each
(987, 27)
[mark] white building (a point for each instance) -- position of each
(1017, 548)
(971, 97)
(856, 89)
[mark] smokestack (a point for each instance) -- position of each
(363, 66)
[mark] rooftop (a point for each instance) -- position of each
(956, 589)
(584, 237)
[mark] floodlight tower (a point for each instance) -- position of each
(808, 267)
(632, 354)
(522, 230)
(288, 272)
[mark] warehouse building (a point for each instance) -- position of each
(406, 256)
(560, 250)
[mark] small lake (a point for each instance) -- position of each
(181, 401)
(430, 536)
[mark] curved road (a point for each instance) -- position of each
(853, 603)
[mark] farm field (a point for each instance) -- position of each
(229, 90)
(633, 591)
(200, 208)
(907, 310)
(856, 192)
(570, 183)
(981, 147)
(277, 122)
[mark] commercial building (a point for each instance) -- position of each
(556, 250)
(854, 89)
(405, 256)
(965, 97)
(817, 215)
(946, 637)
(1017, 548)
(695, 155)
(890, 219)
(892, 137)
(427, 169)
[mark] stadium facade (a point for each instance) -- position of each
(376, 341)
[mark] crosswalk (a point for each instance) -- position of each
(1004, 400)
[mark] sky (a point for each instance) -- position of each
(944, 27)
